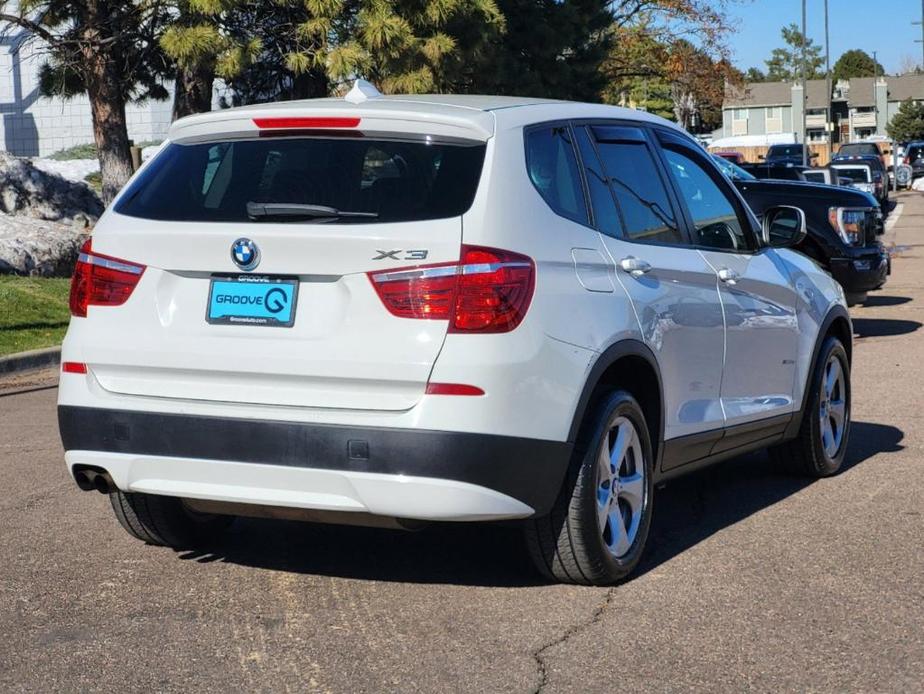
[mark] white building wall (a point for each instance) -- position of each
(33, 125)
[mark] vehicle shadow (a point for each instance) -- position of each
(694, 508)
(687, 511)
(874, 300)
(883, 327)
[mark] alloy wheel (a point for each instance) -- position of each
(622, 489)
(832, 407)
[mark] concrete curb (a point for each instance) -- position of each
(33, 359)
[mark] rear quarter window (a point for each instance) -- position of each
(552, 167)
(394, 180)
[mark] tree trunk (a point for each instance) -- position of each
(193, 91)
(110, 131)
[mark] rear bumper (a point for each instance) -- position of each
(406, 473)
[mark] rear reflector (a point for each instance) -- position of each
(73, 367)
(487, 291)
(100, 280)
(292, 123)
(452, 389)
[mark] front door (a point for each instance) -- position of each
(762, 333)
(672, 287)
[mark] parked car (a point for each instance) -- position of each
(392, 310)
(881, 149)
(843, 227)
(779, 172)
(914, 157)
(866, 174)
(877, 181)
(825, 175)
(787, 154)
(731, 155)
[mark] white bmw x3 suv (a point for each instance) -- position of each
(387, 310)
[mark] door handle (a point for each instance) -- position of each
(635, 266)
(728, 276)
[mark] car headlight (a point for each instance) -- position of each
(850, 224)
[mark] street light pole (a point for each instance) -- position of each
(804, 95)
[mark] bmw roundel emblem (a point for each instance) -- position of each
(245, 254)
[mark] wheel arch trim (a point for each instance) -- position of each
(608, 357)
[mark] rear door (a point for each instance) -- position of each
(202, 212)
(762, 332)
(673, 289)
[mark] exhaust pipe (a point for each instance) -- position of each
(89, 478)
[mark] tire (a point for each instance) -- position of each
(819, 449)
(165, 520)
(572, 544)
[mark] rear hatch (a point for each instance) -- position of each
(306, 207)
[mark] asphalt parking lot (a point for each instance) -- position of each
(754, 579)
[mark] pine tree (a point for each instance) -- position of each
(856, 63)
(107, 49)
(785, 64)
(907, 123)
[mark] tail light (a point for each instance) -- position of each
(487, 291)
(100, 280)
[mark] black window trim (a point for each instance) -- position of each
(669, 140)
(565, 124)
(681, 220)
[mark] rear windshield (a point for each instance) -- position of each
(855, 173)
(387, 180)
(859, 150)
(785, 150)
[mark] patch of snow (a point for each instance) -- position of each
(918, 184)
(75, 170)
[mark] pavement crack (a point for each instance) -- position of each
(539, 654)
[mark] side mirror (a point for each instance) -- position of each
(783, 226)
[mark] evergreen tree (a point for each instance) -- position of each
(754, 74)
(107, 49)
(785, 64)
(552, 49)
(856, 63)
(908, 122)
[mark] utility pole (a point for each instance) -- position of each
(829, 112)
(876, 91)
(804, 95)
(921, 40)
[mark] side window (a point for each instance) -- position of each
(715, 220)
(606, 216)
(643, 202)
(553, 170)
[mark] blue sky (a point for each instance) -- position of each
(888, 31)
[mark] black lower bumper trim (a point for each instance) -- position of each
(530, 470)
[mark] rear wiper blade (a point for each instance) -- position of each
(257, 210)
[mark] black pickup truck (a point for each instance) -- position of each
(843, 224)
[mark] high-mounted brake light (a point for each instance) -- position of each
(295, 122)
(101, 280)
(487, 291)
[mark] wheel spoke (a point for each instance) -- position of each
(625, 437)
(827, 435)
(632, 489)
(619, 541)
(838, 411)
(604, 503)
(603, 462)
(831, 378)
